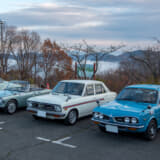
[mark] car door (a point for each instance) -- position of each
(103, 95)
(88, 100)
(157, 109)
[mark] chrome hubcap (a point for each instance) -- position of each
(11, 108)
(72, 117)
(152, 131)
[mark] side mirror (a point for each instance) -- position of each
(68, 98)
(98, 103)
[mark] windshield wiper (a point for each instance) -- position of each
(126, 99)
(144, 101)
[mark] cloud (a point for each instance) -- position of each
(102, 21)
(54, 28)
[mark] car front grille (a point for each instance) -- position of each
(119, 119)
(43, 106)
(106, 117)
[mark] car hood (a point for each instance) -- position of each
(122, 108)
(52, 99)
(6, 93)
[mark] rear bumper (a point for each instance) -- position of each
(49, 114)
(121, 127)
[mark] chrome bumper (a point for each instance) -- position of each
(117, 124)
(47, 112)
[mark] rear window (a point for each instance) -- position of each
(89, 90)
(99, 89)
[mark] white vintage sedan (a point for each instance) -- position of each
(70, 100)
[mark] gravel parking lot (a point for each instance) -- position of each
(24, 138)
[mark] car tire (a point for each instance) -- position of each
(71, 118)
(11, 107)
(102, 129)
(151, 131)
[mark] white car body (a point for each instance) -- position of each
(83, 104)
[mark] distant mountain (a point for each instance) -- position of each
(121, 57)
(108, 57)
(116, 58)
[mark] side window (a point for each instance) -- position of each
(89, 90)
(99, 89)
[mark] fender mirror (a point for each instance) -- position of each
(98, 103)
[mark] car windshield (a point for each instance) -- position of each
(138, 95)
(19, 86)
(69, 88)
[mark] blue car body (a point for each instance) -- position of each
(113, 113)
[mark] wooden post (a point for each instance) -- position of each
(94, 70)
(75, 70)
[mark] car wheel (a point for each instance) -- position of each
(71, 118)
(151, 131)
(102, 129)
(11, 107)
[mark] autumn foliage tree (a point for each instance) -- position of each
(55, 63)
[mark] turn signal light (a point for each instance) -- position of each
(132, 129)
(96, 122)
(57, 116)
(32, 111)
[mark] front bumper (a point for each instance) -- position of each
(121, 127)
(49, 114)
(3, 105)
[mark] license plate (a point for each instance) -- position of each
(41, 114)
(110, 128)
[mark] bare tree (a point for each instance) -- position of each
(150, 60)
(25, 47)
(99, 54)
(82, 52)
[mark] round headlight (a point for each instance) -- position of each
(101, 116)
(126, 119)
(96, 115)
(57, 108)
(133, 120)
(29, 104)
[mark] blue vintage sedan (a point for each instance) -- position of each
(136, 109)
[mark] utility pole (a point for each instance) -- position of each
(1, 49)
(1, 27)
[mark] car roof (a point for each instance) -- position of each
(82, 81)
(145, 86)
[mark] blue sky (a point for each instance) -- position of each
(100, 22)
